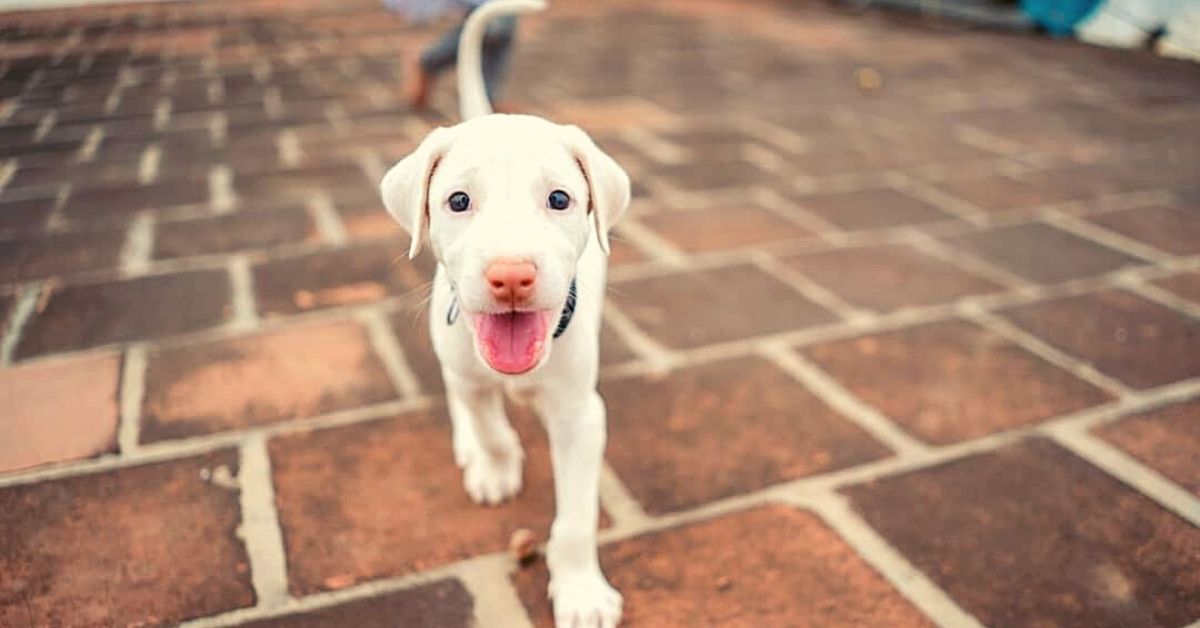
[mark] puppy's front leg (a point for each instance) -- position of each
(485, 445)
(582, 597)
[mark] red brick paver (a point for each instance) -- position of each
(42, 424)
(1031, 535)
(287, 374)
(961, 387)
(722, 429)
(1042, 253)
(442, 604)
(1166, 439)
(397, 505)
(1138, 341)
(766, 567)
(702, 307)
(78, 317)
(157, 539)
(891, 277)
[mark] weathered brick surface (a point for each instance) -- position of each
(82, 316)
(441, 604)
(158, 540)
(1186, 285)
(1042, 253)
(1166, 439)
(885, 278)
(962, 385)
(233, 232)
(350, 276)
(398, 505)
(1135, 340)
(42, 425)
(1032, 535)
(721, 429)
(702, 307)
(772, 566)
(40, 257)
(1170, 229)
(287, 374)
(722, 228)
(871, 209)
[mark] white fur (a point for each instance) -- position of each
(509, 165)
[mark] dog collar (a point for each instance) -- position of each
(563, 320)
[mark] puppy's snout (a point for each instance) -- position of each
(511, 281)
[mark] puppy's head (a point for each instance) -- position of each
(509, 203)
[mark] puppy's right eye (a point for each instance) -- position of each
(459, 202)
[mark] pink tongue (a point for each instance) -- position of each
(512, 342)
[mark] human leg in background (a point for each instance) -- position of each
(433, 61)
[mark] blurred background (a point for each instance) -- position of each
(903, 325)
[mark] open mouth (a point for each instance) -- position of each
(512, 342)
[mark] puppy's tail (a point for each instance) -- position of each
(472, 94)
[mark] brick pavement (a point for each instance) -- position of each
(926, 352)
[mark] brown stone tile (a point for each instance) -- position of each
(41, 425)
(286, 374)
(1135, 340)
(622, 252)
(770, 566)
(40, 257)
(120, 202)
(357, 274)
(701, 307)
(613, 350)
(411, 326)
(721, 429)
(301, 183)
(1165, 439)
(952, 381)
(439, 604)
(1170, 229)
(1185, 285)
(398, 505)
(77, 317)
(1041, 253)
(710, 173)
(871, 209)
(7, 305)
(719, 228)
(1030, 535)
(997, 192)
(367, 221)
(153, 544)
(233, 232)
(25, 216)
(889, 277)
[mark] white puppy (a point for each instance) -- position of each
(517, 211)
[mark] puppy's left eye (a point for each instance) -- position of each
(459, 202)
(558, 200)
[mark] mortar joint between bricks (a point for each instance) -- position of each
(28, 296)
(132, 393)
(387, 347)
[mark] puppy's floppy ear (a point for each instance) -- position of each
(405, 187)
(608, 185)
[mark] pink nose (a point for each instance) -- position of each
(511, 281)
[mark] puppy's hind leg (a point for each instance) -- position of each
(485, 445)
(575, 422)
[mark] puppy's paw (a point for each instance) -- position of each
(489, 478)
(585, 601)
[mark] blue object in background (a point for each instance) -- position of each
(1059, 17)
